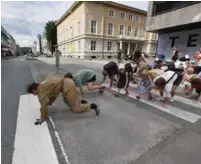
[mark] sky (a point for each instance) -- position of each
(24, 20)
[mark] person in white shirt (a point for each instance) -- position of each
(167, 83)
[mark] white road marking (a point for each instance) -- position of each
(59, 141)
(177, 98)
(188, 116)
(33, 144)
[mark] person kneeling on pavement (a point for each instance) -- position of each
(85, 77)
(48, 91)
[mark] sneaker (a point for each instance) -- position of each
(101, 91)
(96, 109)
(159, 99)
(171, 99)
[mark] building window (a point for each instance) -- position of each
(110, 29)
(121, 32)
(109, 46)
(111, 13)
(79, 45)
(93, 45)
(130, 17)
(129, 31)
(67, 33)
(122, 15)
(71, 31)
(137, 18)
(78, 28)
(154, 36)
(153, 49)
(160, 7)
(93, 26)
(136, 32)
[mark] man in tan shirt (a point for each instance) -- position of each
(48, 91)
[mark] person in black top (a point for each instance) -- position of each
(124, 77)
(119, 56)
(111, 70)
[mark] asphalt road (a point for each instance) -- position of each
(15, 74)
(127, 131)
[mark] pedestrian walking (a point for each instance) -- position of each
(85, 77)
(175, 54)
(119, 57)
(48, 91)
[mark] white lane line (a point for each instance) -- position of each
(188, 116)
(177, 98)
(33, 144)
(59, 141)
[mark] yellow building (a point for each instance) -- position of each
(100, 28)
(150, 43)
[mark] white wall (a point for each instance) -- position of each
(164, 43)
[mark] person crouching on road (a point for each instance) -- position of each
(145, 84)
(85, 77)
(166, 83)
(48, 91)
(196, 84)
(111, 70)
(124, 77)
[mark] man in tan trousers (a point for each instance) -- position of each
(48, 90)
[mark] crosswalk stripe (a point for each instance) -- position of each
(33, 143)
(188, 116)
(177, 98)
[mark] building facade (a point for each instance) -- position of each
(178, 23)
(100, 29)
(150, 43)
(8, 44)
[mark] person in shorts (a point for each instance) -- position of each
(167, 83)
(85, 77)
(111, 70)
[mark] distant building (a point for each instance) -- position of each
(8, 45)
(100, 28)
(18, 50)
(150, 43)
(178, 23)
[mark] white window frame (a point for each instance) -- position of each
(79, 45)
(121, 15)
(120, 29)
(71, 31)
(93, 45)
(131, 17)
(109, 46)
(109, 13)
(139, 18)
(130, 31)
(91, 27)
(110, 30)
(78, 27)
(136, 29)
(66, 33)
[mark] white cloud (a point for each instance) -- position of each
(25, 19)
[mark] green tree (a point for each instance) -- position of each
(51, 34)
